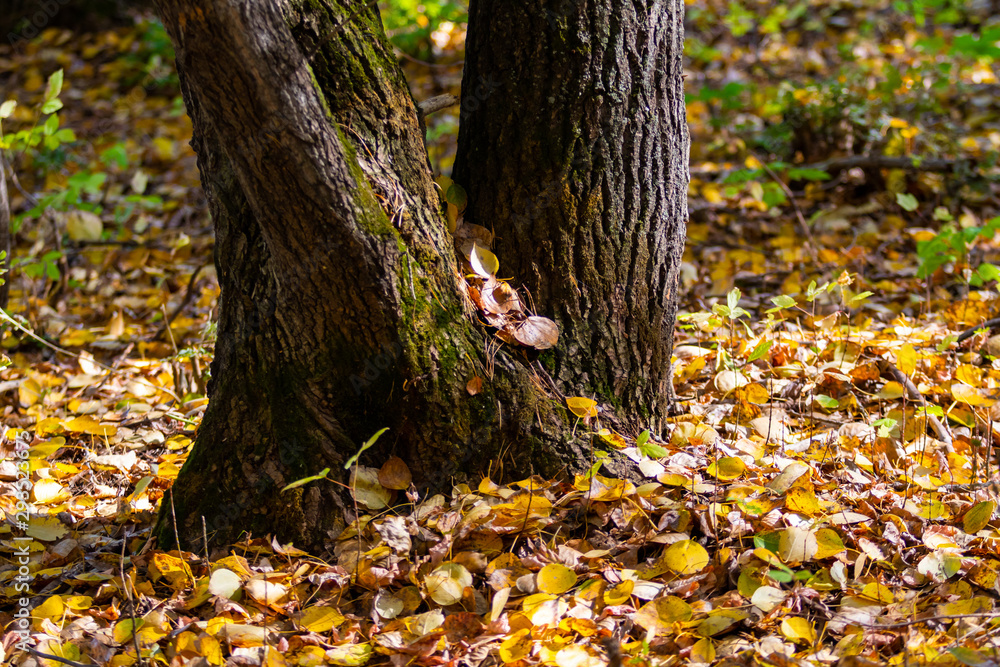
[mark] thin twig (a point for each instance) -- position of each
(178, 630)
(131, 603)
(916, 621)
(5, 245)
(188, 294)
(5, 316)
(407, 56)
(24, 193)
(81, 244)
(838, 164)
(806, 231)
(971, 487)
(114, 367)
(886, 367)
(173, 516)
(886, 162)
(49, 656)
(170, 332)
(204, 533)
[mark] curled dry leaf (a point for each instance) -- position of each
(727, 381)
(472, 232)
(685, 352)
(394, 533)
(797, 545)
(224, 583)
(540, 333)
(474, 295)
(688, 434)
(499, 297)
(813, 493)
(445, 584)
(498, 321)
(582, 407)
(498, 302)
(264, 591)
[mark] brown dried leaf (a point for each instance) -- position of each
(477, 233)
(394, 474)
(540, 333)
(499, 297)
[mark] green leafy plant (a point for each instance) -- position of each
(884, 426)
(347, 466)
(649, 449)
(48, 133)
(44, 139)
(731, 311)
(952, 243)
(45, 147)
(761, 183)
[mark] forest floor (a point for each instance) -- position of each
(828, 494)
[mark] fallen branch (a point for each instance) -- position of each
(917, 621)
(969, 333)
(433, 105)
(806, 231)
(954, 488)
(56, 658)
(885, 162)
(188, 294)
(887, 368)
(837, 164)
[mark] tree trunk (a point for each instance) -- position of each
(573, 147)
(340, 309)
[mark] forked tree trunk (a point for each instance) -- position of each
(340, 309)
(578, 158)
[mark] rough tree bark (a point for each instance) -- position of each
(341, 311)
(579, 161)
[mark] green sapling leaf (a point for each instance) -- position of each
(733, 298)
(858, 298)
(371, 441)
(760, 350)
(305, 480)
(780, 303)
(906, 201)
(827, 402)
